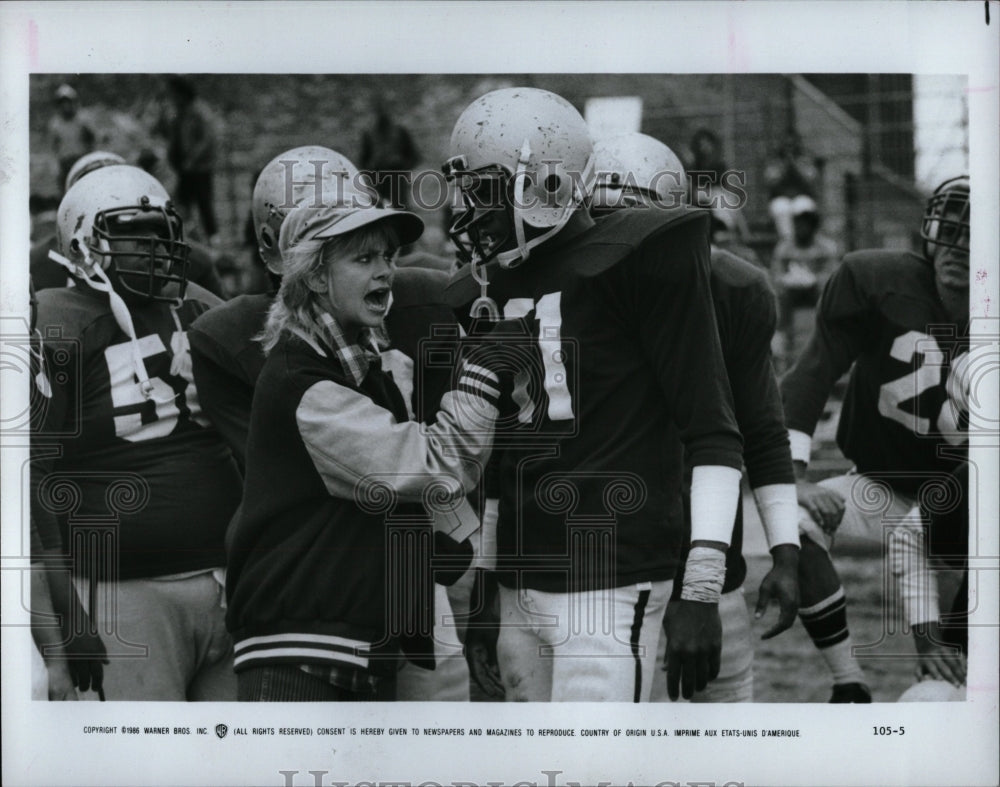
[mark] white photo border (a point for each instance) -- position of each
(43, 743)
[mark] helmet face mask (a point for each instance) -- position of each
(484, 227)
(946, 218)
(120, 219)
(146, 250)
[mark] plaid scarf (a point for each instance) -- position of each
(356, 358)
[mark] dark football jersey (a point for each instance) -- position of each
(619, 346)
(423, 335)
(881, 312)
(227, 361)
(151, 472)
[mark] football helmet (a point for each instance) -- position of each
(632, 168)
(289, 178)
(946, 217)
(88, 163)
(929, 690)
(526, 152)
(124, 203)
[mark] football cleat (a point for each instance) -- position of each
(851, 692)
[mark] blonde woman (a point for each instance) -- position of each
(326, 590)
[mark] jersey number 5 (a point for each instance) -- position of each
(125, 393)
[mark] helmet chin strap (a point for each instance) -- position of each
(94, 276)
(514, 257)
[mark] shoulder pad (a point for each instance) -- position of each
(619, 234)
(736, 271)
(70, 309)
(884, 259)
(195, 292)
(880, 270)
(241, 317)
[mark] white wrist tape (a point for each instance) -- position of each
(801, 445)
(715, 494)
(918, 588)
(487, 557)
(779, 511)
(704, 575)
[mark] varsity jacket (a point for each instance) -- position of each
(329, 556)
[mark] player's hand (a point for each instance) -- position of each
(481, 656)
(481, 644)
(825, 506)
(694, 647)
(936, 659)
(61, 685)
(86, 656)
(781, 585)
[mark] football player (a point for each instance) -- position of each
(637, 170)
(621, 340)
(901, 319)
(228, 358)
(128, 479)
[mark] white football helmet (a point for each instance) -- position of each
(88, 163)
(929, 690)
(124, 203)
(293, 177)
(632, 168)
(524, 151)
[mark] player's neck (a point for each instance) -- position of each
(956, 304)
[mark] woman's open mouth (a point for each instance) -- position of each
(378, 300)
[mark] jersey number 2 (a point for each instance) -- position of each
(912, 385)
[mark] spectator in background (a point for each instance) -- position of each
(789, 174)
(800, 267)
(706, 177)
(388, 153)
(70, 131)
(706, 149)
(191, 153)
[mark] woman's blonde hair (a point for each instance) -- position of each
(294, 304)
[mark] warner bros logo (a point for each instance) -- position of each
(221, 730)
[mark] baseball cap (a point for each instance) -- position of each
(65, 91)
(352, 211)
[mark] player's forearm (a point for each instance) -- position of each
(45, 628)
(778, 507)
(715, 495)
